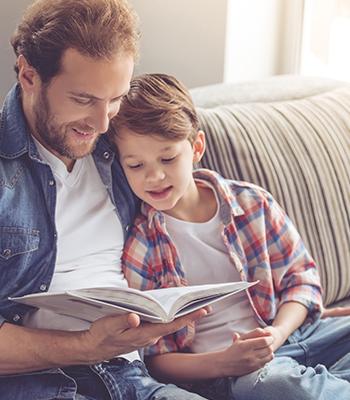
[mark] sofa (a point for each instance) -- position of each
(290, 135)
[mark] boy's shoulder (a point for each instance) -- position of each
(244, 186)
(243, 189)
(226, 188)
(250, 198)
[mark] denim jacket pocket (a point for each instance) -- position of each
(15, 241)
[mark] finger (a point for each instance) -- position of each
(264, 360)
(235, 336)
(179, 323)
(258, 343)
(255, 333)
(133, 320)
(208, 309)
(120, 323)
(264, 353)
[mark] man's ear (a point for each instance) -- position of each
(28, 77)
(198, 146)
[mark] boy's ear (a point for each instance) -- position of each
(198, 146)
(28, 76)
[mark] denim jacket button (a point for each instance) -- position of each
(43, 287)
(16, 318)
(106, 155)
(7, 252)
(51, 182)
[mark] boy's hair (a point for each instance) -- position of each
(157, 104)
(95, 28)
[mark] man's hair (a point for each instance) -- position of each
(157, 104)
(96, 28)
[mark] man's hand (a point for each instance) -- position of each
(109, 337)
(25, 349)
(249, 352)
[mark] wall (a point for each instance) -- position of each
(200, 41)
(10, 14)
(185, 38)
(211, 41)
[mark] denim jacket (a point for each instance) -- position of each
(28, 234)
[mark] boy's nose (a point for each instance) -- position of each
(155, 175)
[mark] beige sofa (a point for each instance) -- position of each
(290, 135)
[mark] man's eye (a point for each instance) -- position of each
(168, 160)
(118, 100)
(83, 102)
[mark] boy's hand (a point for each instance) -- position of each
(336, 312)
(277, 335)
(249, 352)
(110, 337)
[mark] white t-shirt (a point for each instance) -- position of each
(205, 260)
(89, 238)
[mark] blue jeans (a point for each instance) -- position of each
(115, 380)
(314, 364)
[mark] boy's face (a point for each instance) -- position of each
(159, 170)
(70, 114)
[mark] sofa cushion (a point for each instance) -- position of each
(299, 150)
(273, 88)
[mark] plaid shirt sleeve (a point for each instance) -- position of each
(294, 273)
(140, 262)
(136, 260)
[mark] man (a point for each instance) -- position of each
(66, 206)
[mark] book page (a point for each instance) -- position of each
(81, 307)
(197, 304)
(160, 305)
(134, 299)
(174, 299)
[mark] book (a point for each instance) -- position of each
(159, 305)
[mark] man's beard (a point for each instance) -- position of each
(54, 136)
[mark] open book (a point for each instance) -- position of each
(160, 305)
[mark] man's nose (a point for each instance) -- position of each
(101, 115)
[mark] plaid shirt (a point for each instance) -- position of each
(261, 242)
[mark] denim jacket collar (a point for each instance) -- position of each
(14, 132)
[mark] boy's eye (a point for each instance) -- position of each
(168, 160)
(134, 166)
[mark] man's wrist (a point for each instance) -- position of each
(84, 353)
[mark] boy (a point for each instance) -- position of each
(195, 228)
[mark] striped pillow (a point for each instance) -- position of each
(299, 150)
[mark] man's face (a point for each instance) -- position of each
(74, 109)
